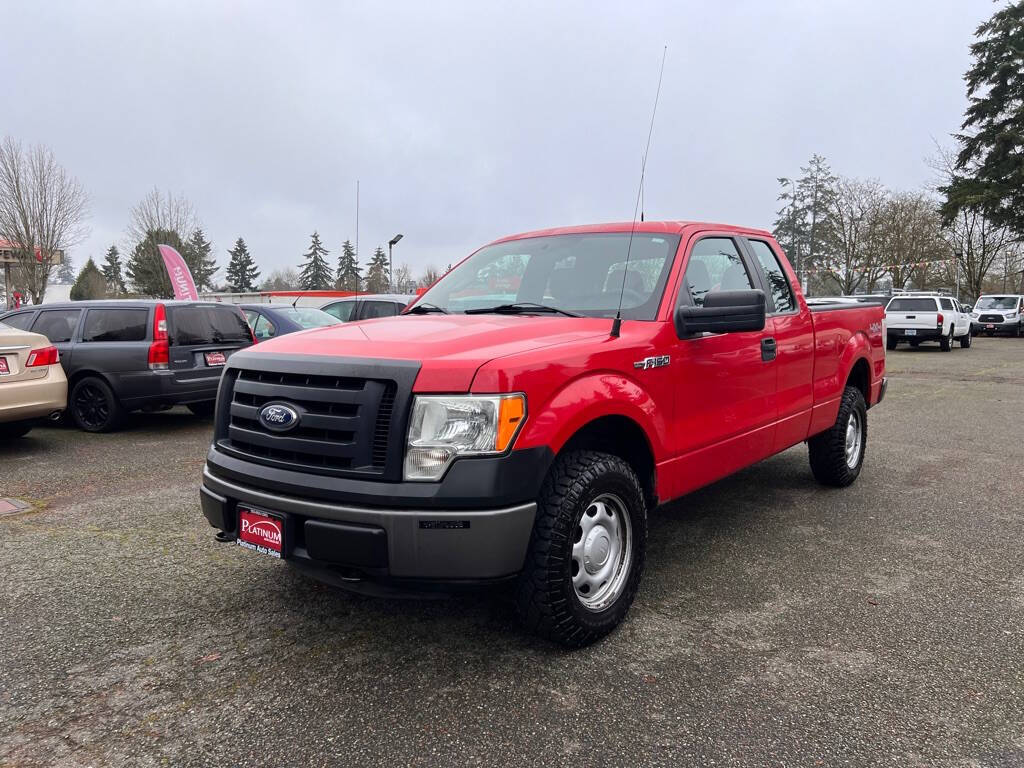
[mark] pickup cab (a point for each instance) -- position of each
(519, 421)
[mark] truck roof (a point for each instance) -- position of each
(655, 227)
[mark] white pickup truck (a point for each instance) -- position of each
(914, 318)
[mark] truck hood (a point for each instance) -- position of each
(450, 348)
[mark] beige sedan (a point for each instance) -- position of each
(32, 383)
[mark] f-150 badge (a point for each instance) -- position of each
(652, 362)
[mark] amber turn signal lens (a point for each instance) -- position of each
(510, 416)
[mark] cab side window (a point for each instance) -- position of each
(19, 321)
(373, 309)
(715, 265)
(342, 310)
(778, 283)
(946, 303)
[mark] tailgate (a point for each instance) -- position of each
(202, 337)
(901, 320)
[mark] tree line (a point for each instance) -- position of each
(842, 234)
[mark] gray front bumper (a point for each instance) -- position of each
(455, 545)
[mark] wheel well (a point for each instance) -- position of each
(860, 377)
(77, 376)
(622, 437)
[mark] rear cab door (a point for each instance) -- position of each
(792, 327)
(201, 337)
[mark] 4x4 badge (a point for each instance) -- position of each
(652, 362)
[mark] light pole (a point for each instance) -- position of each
(391, 267)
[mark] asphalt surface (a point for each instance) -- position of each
(778, 623)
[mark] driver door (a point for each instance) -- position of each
(725, 393)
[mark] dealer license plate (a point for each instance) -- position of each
(4, 368)
(260, 532)
(215, 358)
(911, 332)
(989, 327)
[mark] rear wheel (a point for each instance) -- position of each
(13, 429)
(203, 410)
(891, 343)
(94, 406)
(587, 549)
(965, 340)
(837, 454)
(946, 342)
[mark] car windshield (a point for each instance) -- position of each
(308, 317)
(580, 273)
(911, 305)
(997, 302)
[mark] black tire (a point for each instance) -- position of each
(890, 344)
(946, 342)
(94, 406)
(828, 450)
(1016, 331)
(915, 343)
(13, 429)
(546, 599)
(203, 410)
(965, 340)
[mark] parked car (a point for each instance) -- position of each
(917, 317)
(270, 320)
(525, 441)
(32, 383)
(998, 313)
(368, 306)
(122, 356)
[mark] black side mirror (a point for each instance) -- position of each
(723, 312)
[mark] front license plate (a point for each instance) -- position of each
(911, 332)
(4, 368)
(990, 327)
(215, 358)
(260, 532)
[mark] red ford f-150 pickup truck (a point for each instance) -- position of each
(505, 428)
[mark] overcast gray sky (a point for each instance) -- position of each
(468, 121)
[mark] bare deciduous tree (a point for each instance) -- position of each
(429, 277)
(911, 239)
(854, 208)
(43, 210)
(159, 211)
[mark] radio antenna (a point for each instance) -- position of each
(617, 322)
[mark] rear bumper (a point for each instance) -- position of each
(139, 389)
(918, 334)
(348, 542)
(34, 398)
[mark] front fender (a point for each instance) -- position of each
(589, 397)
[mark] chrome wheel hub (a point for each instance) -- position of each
(601, 552)
(854, 440)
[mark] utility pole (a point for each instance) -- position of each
(357, 221)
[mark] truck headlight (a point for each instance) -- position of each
(974, 314)
(443, 427)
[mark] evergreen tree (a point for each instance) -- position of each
(145, 268)
(113, 273)
(990, 166)
(241, 272)
(348, 276)
(90, 283)
(65, 272)
(201, 263)
(804, 227)
(377, 272)
(315, 274)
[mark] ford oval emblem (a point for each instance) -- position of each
(278, 417)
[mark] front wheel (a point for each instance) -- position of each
(837, 454)
(203, 410)
(587, 549)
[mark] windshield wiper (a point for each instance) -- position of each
(521, 308)
(425, 307)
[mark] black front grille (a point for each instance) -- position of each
(991, 318)
(347, 424)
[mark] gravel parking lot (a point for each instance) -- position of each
(779, 623)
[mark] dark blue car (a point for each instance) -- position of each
(270, 320)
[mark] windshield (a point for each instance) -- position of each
(582, 274)
(911, 305)
(308, 317)
(997, 302)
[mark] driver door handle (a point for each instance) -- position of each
(768, 349)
